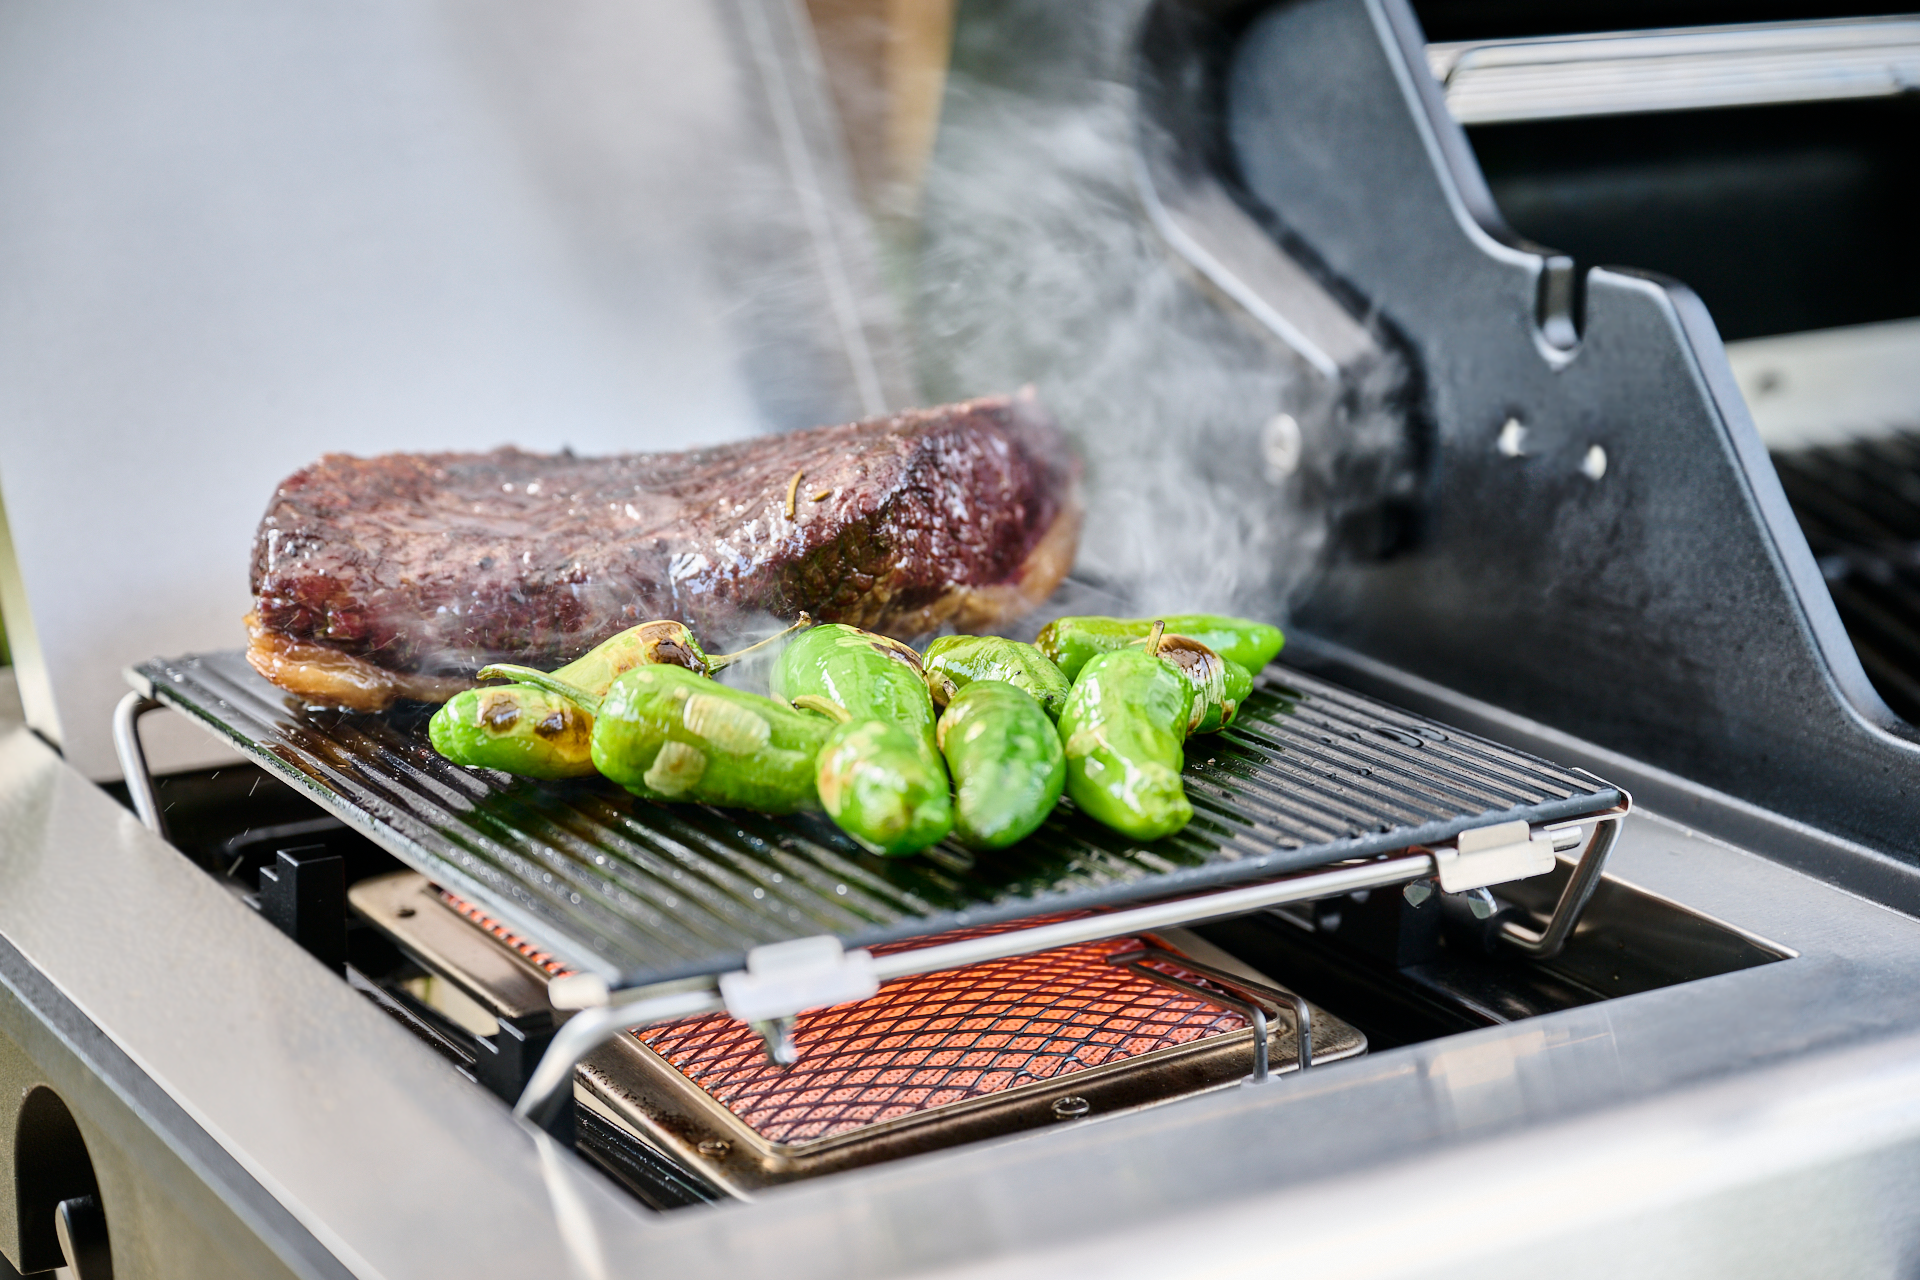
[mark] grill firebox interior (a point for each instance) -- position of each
(1385, 968)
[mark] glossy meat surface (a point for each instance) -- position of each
(400, 575)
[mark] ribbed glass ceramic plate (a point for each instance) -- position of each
(643, 892)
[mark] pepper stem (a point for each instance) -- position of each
(721, 661)
(825, 706)
(1154, 636)
(543, 681)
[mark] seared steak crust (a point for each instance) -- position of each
(415, 570)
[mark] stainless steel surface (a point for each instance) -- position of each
(1682, 69)
(1201, 222)
(408, 909)
(1830, 386)
(642, 893)
(1670, 1094)
(301, 1083)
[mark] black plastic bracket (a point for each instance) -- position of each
(504, 1062)
(1385, 925)
(304, 894)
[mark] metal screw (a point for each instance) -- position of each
(1070, 1108)
(715, 1148)
(404, 913)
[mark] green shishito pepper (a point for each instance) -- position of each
(665, 733)
(1122, 729)
(1007, 763)
(875, 783)
(516, 728)
(953, 662)
(660, 641)
(538, 734)
(1239, 685)
(1072, 642)
(1219, 686)
(880, 776)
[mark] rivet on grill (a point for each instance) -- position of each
(715, 1148)
(1070, 1108)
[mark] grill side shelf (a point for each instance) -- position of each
(642, 893)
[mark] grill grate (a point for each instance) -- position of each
(641, 892)
(1859, 505)
(937, 1039)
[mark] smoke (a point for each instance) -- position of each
(1036, 263)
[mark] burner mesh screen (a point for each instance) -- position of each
(940, 1038)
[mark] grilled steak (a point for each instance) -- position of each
(400, 576)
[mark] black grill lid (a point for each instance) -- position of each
(641, 892)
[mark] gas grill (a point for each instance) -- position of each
(1552, 897)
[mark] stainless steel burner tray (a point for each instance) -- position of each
(642, 893)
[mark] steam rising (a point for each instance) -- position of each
(1037, 264)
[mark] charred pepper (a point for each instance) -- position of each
(666, 733)
(1219, 686)
(516, 728)
(1072, 642)
(953, 662)
(1122, 730)
(880, 776)
(527, 731)
(1007, 762)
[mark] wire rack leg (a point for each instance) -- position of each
(1548, 942)
(133, 760)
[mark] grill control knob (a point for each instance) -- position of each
(81, 1228)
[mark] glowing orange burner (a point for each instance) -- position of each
(939, 1039)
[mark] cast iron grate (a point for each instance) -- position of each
(1859, 505)
(642, 892)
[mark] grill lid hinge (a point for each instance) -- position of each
(1494, 855)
